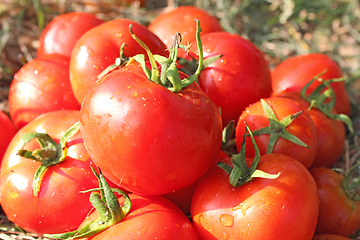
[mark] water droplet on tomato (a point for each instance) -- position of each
(196, 101)
(119, 35)
(226, 220)
(225, 235)
(134, 94)
(142, 230)
(111, 97)
(223, 61)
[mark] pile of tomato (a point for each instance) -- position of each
(175, 130)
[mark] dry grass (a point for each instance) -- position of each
(280, 28)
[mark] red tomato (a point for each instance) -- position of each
(99, 47)
(338, 214)
(240, 77)
(40, 86)
(166, 24)
(329, 237)
(295, 72)
(62, 33)
(7, 131)
(302, 127)
(59, 205)
(145, 137)
(151, 217)
(331, 134)
(182, 197)
(260, 209)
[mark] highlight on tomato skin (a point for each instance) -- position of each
(41, 85)
(62, 32)
(59, 205)
(151, 217)
(239, 78)
(166, 24)
(271, 123)
(294, 73)
(260, 207)
(90, 56)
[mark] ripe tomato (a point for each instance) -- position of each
(62, 32)
(100, 46)
(166, 24)
(302, 127)
(338, 214)
(151, 217)
(295, 72)
(260, 209)
(145, 137)
(40, 86)
(59, 205)
(331, 134)
(240, 77)
(7, 131)
(182, 197)
(329, 237)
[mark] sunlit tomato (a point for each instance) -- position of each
(301, 127)
(182, 197)
(181, 19)
(7, 131)
(99, 47)
(62, 32)
(240, 77)
(42, 85)
(338, 214)
(151, 217)
(271, 209)
(295, 72)
(145, 137)
(331, 135)
(329, 237)
(59, 205)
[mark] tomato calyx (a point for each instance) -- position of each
(277, 129)
(49, 154)
(169, 76)
(108, 207)
(241, 173)
(323, 98)
(350, 184)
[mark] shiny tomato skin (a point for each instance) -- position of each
(294, 73)
(62, 32)
(338, 214)
(166, 24)
(302, 127)
(59, 206)
(182, 197)
(331, 134)
(329, 237)
(240, 77)
(151, 217)
(100, 46)
(262, 208)
(42, 85)
(7, 131)
(153, 141)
